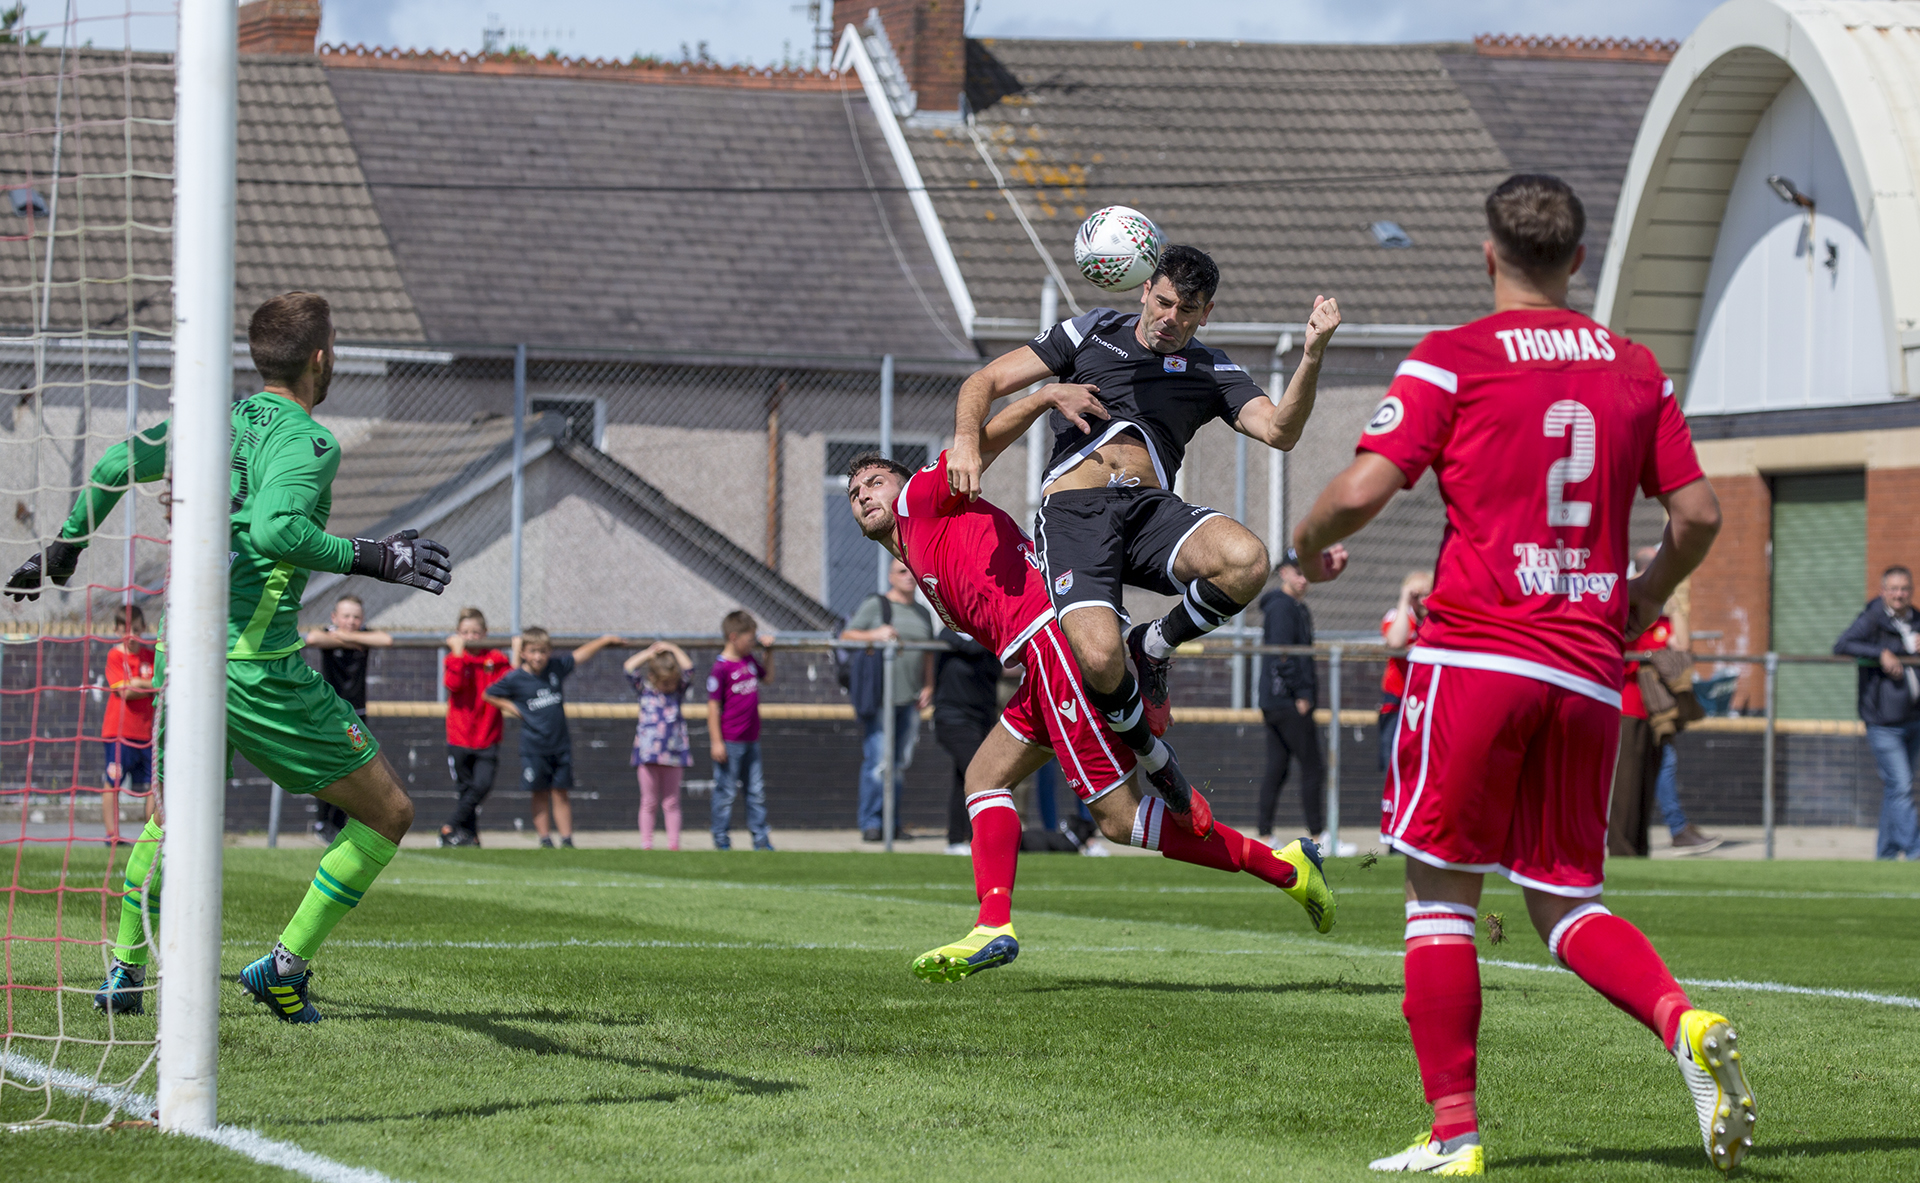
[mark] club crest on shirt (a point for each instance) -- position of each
(1174, 365)
(1063, 583)
(357, 736)
(1386, 416)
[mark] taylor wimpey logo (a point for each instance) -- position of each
(1558, 571)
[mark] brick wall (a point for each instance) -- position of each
(1732, 590)
(1893, 522)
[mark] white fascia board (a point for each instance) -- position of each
(1352, 336)
(853, 52)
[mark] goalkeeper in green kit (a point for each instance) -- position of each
(280, 714)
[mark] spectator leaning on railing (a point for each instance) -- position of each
(895, 616)
(1889, 704)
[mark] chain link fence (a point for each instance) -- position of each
(591, 491)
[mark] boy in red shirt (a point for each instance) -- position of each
(473, 724)
(128, 727)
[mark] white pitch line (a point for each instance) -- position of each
(1898, 1000)
(248, 1143)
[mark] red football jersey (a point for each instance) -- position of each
(1541, 427)
(973, 563)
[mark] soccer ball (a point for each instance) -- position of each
(1117, 248)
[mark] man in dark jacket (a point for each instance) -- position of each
(966, 701)
(1288, 694)
(1890, 704)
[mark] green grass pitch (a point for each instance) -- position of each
(628, 1015)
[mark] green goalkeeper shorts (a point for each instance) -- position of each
(284, 718)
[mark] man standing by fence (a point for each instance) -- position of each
(1889, 704)
(1288, 693)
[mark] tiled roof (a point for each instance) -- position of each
(1574, 118)
(578, 212)
(1275, 158)
(305, 219)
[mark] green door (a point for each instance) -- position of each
(1819, 577)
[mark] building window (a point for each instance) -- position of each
(850, 564)
(586, 416)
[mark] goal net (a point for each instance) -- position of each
(85, 361)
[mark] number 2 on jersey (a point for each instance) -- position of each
(1572, 468)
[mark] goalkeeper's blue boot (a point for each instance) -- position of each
(984, 948)
(124, 992)
(285, 996)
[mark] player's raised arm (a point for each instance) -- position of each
(1078, 401)
(1279, 426)
(144, 459)
(996, 380)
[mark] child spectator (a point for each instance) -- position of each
(128, 727)
(473, 724)
(535, 694)
(1399, 629)
(661, 752)
(733, 729)
(343, 646)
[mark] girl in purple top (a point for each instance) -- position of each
(661, 752)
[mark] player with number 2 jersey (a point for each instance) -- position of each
(1541, 428)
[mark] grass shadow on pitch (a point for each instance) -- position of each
(1766, 1154)
(505, 1028)
(493, 1109)
(1333, 986)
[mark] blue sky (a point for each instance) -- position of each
(763, 31)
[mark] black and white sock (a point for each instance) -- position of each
(1204, 608)
(1124, 712)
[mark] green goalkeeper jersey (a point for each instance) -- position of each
(282, 487)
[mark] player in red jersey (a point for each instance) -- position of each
(1541, 428)
(982, 576)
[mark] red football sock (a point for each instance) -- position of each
(1225, 849)
(996, 854)
(1615, 958)
(1443, 1011)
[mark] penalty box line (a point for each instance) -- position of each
(247, 1143)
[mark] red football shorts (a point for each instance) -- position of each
(1500, 772)
(1051, 709)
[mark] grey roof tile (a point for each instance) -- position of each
(654, 265)
(1274, 158)
(304, 218)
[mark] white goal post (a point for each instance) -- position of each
(205, 99)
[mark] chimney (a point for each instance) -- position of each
(929, 37)
(279, 26)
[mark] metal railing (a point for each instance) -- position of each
(1240, 653)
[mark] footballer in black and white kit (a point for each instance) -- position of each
(1126, 393)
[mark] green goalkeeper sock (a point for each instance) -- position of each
(349, 867)
(132, 946)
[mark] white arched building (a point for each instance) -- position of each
(1767, 248)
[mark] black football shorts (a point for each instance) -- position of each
(1092, 541)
